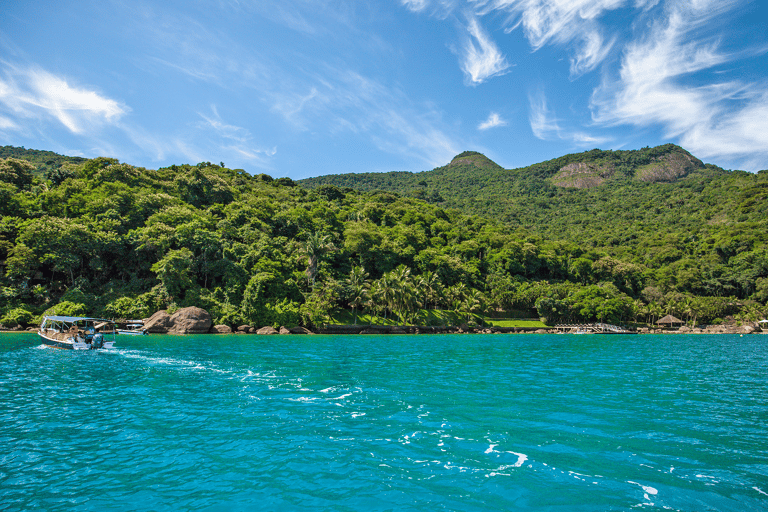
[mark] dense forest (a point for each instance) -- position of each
(614, 236)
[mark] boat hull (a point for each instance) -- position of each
(69, 343)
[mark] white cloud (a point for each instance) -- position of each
(544, 125)
(481, 57)
(566, 22)
(235, 138)
(726, 118)
(415, 5)
(492, 122)
(7, 124)
(341, 100)
(592, 52)
(33, 93)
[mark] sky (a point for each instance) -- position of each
(304, 88)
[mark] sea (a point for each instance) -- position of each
(527, 422)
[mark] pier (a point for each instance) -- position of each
(596, 328)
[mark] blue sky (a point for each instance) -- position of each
(303, 88)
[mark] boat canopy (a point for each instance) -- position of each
(72, 319)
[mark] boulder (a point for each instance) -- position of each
(191, 320)
(244, 328)
(748, 329)
(160, 322)
(221, 329)
(284, 330)
(300, 330)
(267, 330)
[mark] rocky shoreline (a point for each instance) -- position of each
(194, 320)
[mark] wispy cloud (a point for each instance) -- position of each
(342, 100)
(481, 58)
(572, 23)
(593, 51)
(415, 5)
(235, 138)
(33, 93)
(721, 118)
(493, 121)
(546, 126)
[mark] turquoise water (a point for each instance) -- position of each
(348, 423)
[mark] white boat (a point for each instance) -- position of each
(77, 332)
(134, 328)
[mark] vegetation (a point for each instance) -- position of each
(105, 238)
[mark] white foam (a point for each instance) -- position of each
(760, 491)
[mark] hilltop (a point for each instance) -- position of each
(607, 199)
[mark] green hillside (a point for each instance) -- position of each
(111, 239)
(656, 207)
(46, 163)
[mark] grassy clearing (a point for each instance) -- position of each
(431, 317)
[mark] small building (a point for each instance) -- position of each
(670, 321)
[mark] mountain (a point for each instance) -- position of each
(621, 200)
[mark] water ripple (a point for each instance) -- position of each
(395, 423)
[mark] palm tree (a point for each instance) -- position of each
(358, 287)
(473, 302)
(455, 297)
(429, 284)
(315, 246)
(404, 297)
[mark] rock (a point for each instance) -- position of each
(244, 328)
(300, 330)
(267, 330)
(748, 329)
(684, 329)
(160, 322)
(191, 320)
(221, 329)
(284, 330)
(541, 331)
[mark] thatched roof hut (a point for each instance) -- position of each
(670, 321)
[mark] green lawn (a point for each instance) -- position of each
(431, 317)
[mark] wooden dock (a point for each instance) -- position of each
(597, 328)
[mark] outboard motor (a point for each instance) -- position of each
(98, 340)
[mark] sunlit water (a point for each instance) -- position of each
(451, 422)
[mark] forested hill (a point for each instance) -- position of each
(106, 238)
(651, 206)
(46, 163)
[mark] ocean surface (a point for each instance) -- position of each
(376, 423)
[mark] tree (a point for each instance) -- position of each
(175, 272)
(16, 172)
(358, 287)
(314, 247)
(429, 284)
